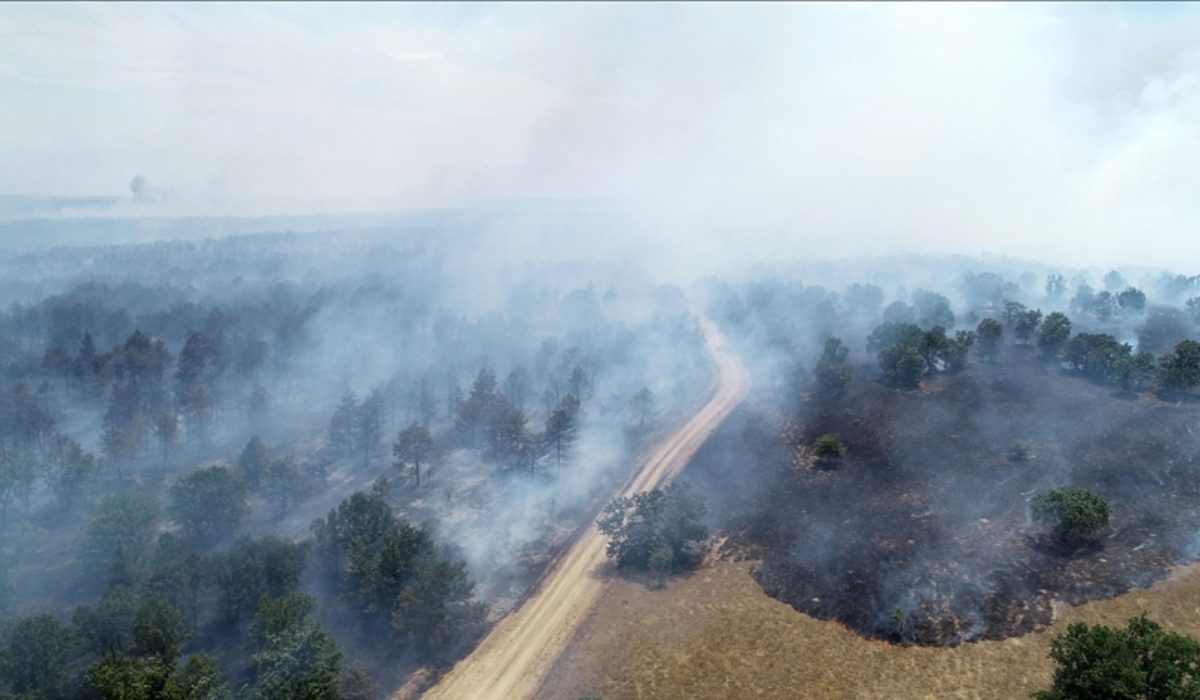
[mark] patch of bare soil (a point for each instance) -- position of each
(921, 534)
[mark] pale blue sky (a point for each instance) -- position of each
(1037, 126)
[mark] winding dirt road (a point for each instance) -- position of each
(513, 658)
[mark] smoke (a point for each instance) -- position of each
(728, 132)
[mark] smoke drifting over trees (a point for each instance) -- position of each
(325, 331)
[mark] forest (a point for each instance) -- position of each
(248, 467)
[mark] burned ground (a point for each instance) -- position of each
(921, 533)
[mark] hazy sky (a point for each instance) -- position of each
(1035, 130)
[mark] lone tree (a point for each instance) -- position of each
(412, 446)
(1075, 515)
(654, 528)
(833, 371)
(829, 446)
(1140, 662)
(990, 332)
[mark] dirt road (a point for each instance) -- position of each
(512, 659)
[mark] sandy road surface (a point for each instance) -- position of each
(512, 659)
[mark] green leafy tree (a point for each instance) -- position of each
(1075, 515)
(159, 630)
(342, 426)
(71, 469)
(1097, 356)
(1132, 372)
(282, 484)
(107, 626)
(1131, 301)
(1141, 662)
(368, 424)
(123, 677)
(833, 371)
(562, 431)
(990, 333)
(955, 350)
(1027, 324)
(435, 605)
(412, 447)
(119, 535)
(1179, 370)
(637, 525)
(252, 568)
(296, 658)
(198, 679)
(1054, 333)
(208, 504)
(932, 309)
(36, 657)
(253, 461)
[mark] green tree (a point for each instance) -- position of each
(411, 448)
(435, 605)
(119, 535)
(198, 679)
(1055, 331)
(71, 469)
(670, 517)
(208, 504)
(107, 626)
(252, 568)
(990, 333)
(1075, 515)
(36, 656)
(159, 630)
(833, 371)
(1097, 356)
(1140, 662)
(282, 483)
(1132, 372)
(1026, 324)
(295, 659)
(562, 431)
(1179, 370)
(342, 424)
(368, 424)
(123, 677)
(253, 461)
(1132, 301)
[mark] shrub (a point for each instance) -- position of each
(1020, 451)
(829, 446)
(1076, 515)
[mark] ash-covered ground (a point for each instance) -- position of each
(921, 533)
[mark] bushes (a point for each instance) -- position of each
(1075, 515)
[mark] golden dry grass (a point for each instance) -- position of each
(715, 634)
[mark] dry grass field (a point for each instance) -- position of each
(715, 634)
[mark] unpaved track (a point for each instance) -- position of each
(512, 659)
